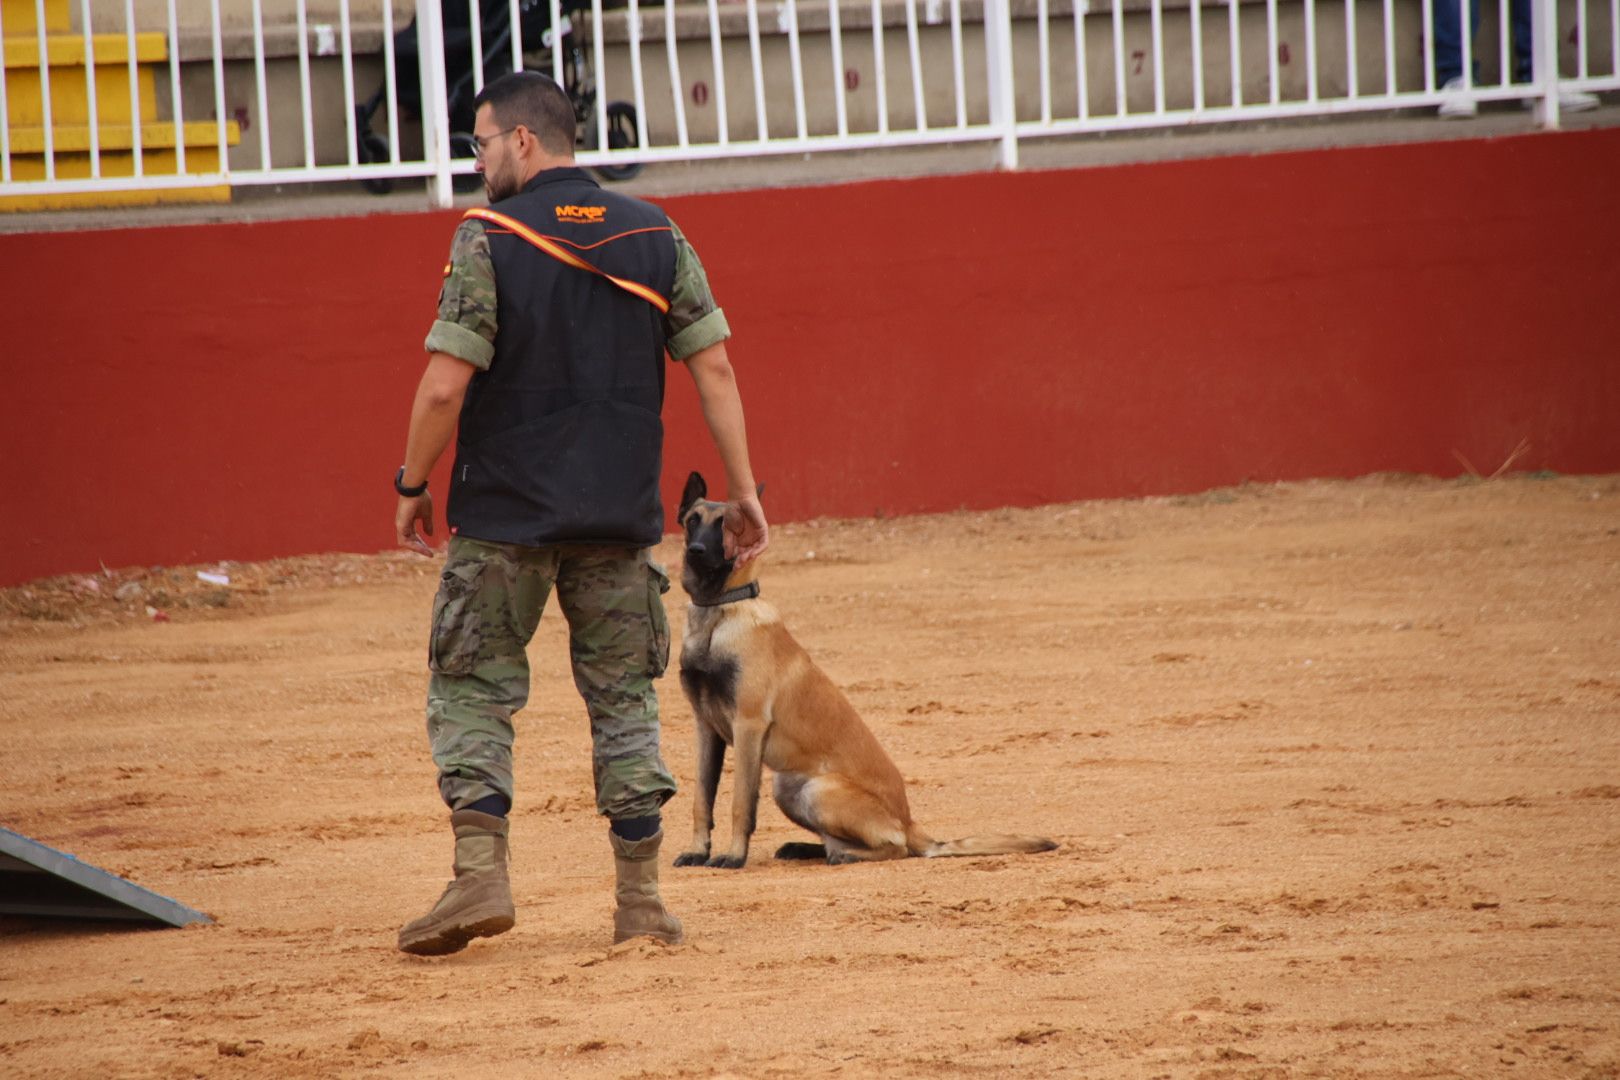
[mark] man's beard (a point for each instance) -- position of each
(498, 187)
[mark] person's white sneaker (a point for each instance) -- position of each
(1458, 106)
(1568, 101)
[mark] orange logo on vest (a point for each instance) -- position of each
(585, 215)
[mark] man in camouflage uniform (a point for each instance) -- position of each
(545, 364)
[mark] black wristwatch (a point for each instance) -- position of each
(408, 492)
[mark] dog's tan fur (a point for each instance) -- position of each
(754, 688)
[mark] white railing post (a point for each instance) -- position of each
(435, 101)
(1544, 60)
(999, 69)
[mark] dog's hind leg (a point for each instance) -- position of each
(795, 797)
(841, 851)
(797, 849)
(711, 755)
(856, 826)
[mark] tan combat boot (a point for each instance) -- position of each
(479, 902)
(640, 910)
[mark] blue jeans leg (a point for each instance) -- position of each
(1519, 13)
(1448, 37)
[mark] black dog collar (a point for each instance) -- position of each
(731, 596)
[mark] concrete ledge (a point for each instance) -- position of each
(691, 24)
(692, 20)
(280, 41)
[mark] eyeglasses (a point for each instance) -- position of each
(481, 143)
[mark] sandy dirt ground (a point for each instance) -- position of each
(1335, 768)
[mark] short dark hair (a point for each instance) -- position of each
(535, 101)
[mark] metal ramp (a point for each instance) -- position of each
(39, 880)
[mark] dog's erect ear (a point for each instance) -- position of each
(695, 489)
(759, 491)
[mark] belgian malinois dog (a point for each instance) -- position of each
(755, 689)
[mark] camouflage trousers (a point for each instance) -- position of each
(489, 603)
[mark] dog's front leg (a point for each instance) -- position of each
(711, 754)
(749, 744)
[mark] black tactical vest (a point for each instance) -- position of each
(560, 440)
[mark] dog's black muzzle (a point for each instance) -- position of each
(707, 567)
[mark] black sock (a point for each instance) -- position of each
(494, 805)
(636, 828)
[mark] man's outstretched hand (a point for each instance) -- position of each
(747, 534)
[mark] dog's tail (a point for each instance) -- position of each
(923, 845)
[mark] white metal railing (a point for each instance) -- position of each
(1311, 58)
(782, 77)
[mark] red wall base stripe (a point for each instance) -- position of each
(241, 391)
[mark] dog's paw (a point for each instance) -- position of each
(800, 850)
(692, 858)
(727, 862)
(840, 858)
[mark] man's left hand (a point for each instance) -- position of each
(746, 533)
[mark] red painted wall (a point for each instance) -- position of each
(241, 391)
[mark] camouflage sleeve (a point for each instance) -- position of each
(694, 321)
(465, 326)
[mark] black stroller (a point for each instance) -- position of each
(496, 39)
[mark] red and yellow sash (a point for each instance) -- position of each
(562, 254)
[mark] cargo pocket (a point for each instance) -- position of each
(458, 631)
(658, 641)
